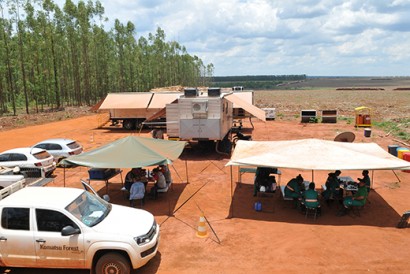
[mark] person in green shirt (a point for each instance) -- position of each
(365, 179)
(310, 198)
(294, 188)
(358, 199)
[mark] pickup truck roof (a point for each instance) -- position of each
(58, 197)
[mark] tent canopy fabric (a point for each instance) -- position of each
(315, 154)
(130, 152)
(127, 100)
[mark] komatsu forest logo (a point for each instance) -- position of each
(59, 247)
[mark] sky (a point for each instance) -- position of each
(262, 37)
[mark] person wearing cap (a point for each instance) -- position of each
(358, 199)
(365, 179)
(333, 190)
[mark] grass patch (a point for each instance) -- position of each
(399, 128)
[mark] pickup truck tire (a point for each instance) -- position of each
(112, 263)
(128, 124)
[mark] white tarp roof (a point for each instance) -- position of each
(315, 154)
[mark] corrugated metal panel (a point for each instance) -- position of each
(127, 100)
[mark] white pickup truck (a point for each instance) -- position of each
(56, 227)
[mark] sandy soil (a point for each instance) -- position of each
(278, 239)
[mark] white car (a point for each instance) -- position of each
(60, 148)
(35, 160)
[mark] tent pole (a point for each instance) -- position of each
(394, 174)
(231, 213)
(186, 171)
(64, 174)
(312, 176)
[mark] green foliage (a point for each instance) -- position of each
(55, 56)
(398, 127)
(255, 81)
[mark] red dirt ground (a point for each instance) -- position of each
(241, 240)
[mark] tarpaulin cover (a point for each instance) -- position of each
(130, 152)
(315, 154)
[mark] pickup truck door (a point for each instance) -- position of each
(16, 238)
(53, 249)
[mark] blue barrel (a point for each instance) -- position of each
(393, 149)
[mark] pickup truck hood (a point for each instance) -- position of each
(126, 220)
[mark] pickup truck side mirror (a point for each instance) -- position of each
(106, 197)
(69, 230)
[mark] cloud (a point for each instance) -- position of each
(249, 37)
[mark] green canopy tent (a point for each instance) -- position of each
(130, 152)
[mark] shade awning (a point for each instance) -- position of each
(130, 152)
(129, 100)
(315, 154)
(257, 112)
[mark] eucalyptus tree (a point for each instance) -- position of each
(6, 65)
(14, 10)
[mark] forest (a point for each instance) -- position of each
(51, 57)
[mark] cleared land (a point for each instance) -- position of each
(279, 239)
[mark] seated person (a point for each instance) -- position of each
(358, 199)
(262, 178)
(294, 188)
(137, 192)
(310, 197)
(365, 179)
(160, 182)
(132, 176)
(167, 173)
(333, 190)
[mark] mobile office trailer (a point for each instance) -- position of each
(202, 117)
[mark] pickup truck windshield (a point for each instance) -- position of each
(89, 209)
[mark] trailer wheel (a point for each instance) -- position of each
(128, 124)
(112, 263)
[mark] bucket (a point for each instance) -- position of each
(367, 132)
(258, 206)
(393, 149)
(406, 157)
(402, 150)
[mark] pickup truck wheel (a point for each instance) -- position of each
(128, 124)
(112, 263)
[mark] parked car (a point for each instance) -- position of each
(60, 148)
(35, 161)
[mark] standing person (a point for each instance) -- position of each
(365, 179)
(333, 190)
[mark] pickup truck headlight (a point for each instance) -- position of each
(144, 239)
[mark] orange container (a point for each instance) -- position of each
(406, 157)
(359, 119)
(366, 119)
(401, 151)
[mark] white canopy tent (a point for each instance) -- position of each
(315, 154)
